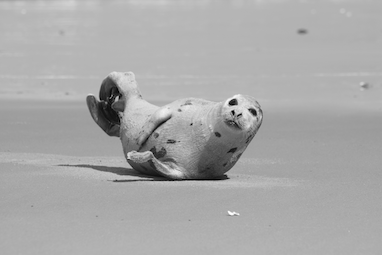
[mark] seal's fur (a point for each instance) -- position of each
(187, 139)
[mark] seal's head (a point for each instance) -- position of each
(242, 114)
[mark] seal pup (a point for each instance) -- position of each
(187, 139)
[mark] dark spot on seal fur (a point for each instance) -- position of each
(155, 135)
(161, 153)
(191, 124)
(171, 141)
(232, 150)
(206, 169)
(218, 134)
(224, 164)
(158, 154)
(188, 102)
(179, 110)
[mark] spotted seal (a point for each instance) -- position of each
(187, 139)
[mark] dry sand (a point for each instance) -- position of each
(310, 182)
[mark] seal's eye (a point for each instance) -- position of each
(233, 102)
(253, 111)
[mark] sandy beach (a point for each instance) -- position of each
(309, 183)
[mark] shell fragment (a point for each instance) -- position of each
(233, 213)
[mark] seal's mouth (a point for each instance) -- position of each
(233, 124)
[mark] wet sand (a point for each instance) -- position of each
(309, 183)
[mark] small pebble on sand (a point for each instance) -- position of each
(364, 85)
(302, 31)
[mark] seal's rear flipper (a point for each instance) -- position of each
(167, 169)
(114, 91)
(97, 111)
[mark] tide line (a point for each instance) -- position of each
(188, 76)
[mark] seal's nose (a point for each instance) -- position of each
(233, 113)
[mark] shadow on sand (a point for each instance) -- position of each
(131, 172)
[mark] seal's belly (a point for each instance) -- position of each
(174, 141)
(191, 147)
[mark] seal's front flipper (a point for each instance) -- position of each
(97, 111)
(159, 117)
(168, 169)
